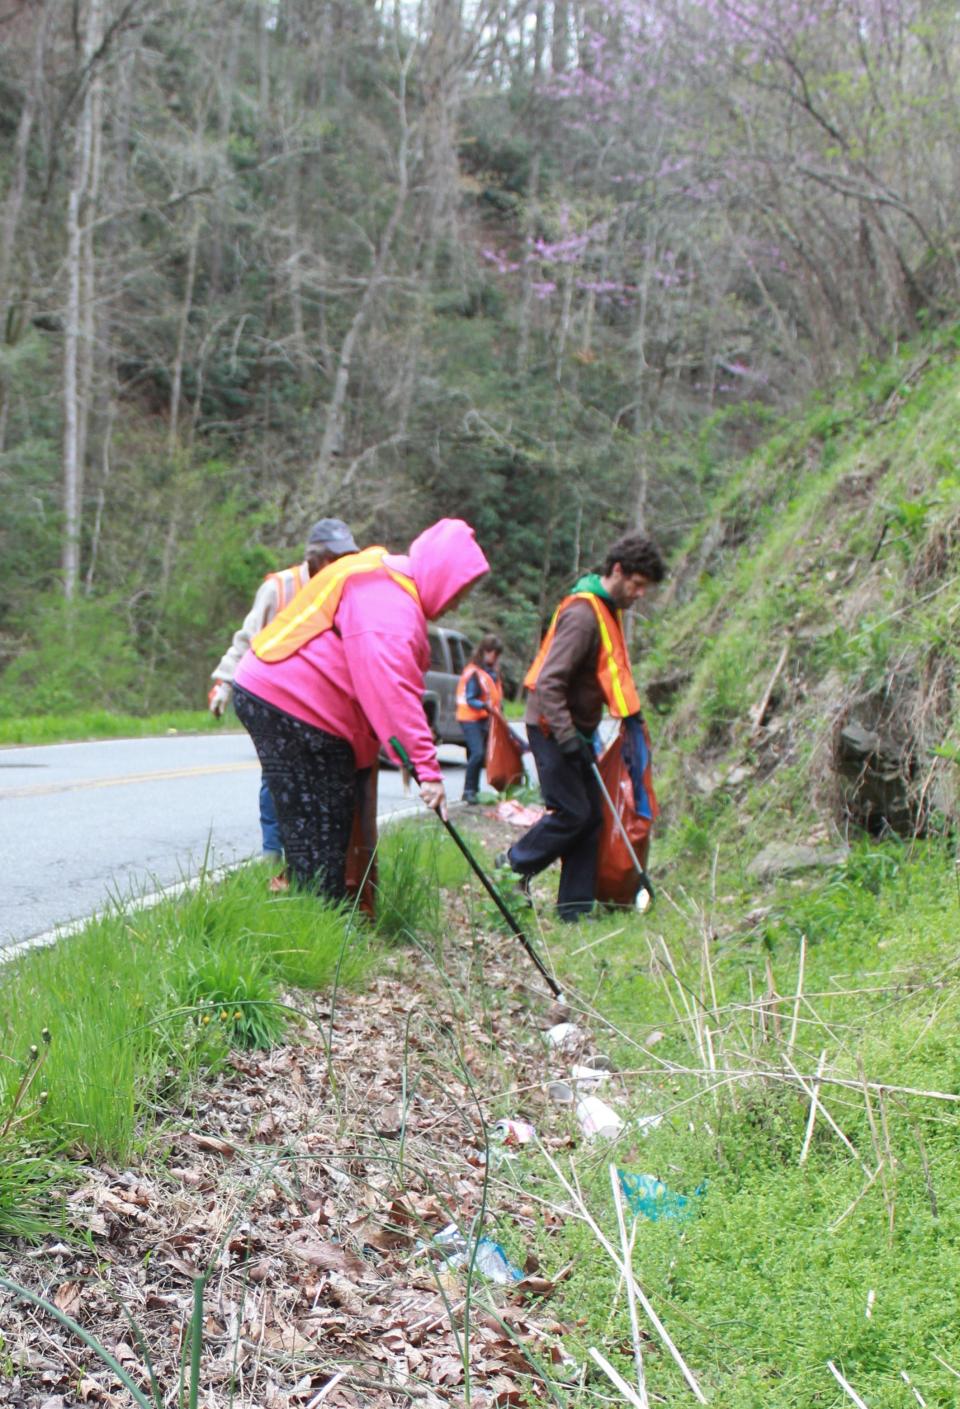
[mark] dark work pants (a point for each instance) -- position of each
(569, 829)
(475, 738)
(312, 779)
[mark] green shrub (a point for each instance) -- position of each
(79, 654)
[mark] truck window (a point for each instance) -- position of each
(460, 651)
(437, 658)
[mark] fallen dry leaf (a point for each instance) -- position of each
(212, 1143)
(327, 1255)
(67, 1298)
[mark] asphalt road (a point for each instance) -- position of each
(83, 823)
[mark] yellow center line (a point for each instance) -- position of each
(200, 771)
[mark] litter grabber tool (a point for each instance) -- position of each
(515, 927)
(645, 896)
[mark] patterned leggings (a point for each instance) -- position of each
(311, 777)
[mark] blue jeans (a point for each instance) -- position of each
(269, 826)
(475, 737)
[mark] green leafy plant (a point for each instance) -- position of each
(236, 989)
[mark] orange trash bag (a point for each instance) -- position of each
(362, 848)
(617, 878)
(504, 760)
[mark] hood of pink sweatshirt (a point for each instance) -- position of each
(444, 560)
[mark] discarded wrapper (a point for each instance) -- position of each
(514, 1132)
(597, 1118)
(649, 1196)
(517, 814)
(646, 1123)
(491, 1260)
(564, 1035)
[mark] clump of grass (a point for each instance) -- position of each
(121, 999)
(804, 1249)
(236, 991)
(416, 862)
(31, 1183)
(29, 1177)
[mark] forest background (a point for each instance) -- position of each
(552, 266)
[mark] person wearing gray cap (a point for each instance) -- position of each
(327, 540)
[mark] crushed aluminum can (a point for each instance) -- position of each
(514, 1132)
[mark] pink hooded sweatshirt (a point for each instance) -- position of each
(363, 680)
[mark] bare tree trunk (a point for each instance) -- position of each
(560, 38)
(74, 323)
(105, 467)
(539, 39)
(18, 183)
(526, 301)
(88, 295)
(176, 380)
(14, 202)
(333, 431)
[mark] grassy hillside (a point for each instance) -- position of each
(834, 553)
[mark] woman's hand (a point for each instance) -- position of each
(434, 796)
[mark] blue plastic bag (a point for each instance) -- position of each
(648, 1195)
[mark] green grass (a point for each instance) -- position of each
(133, 1003)
(768, 1281)
(416, 862)
(101, 724)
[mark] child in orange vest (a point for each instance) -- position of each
(479, 691)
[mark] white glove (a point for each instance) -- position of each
(219, 697)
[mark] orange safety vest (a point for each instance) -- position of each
(492, 693)
(313, 609)
(613, 664)
(289, 582)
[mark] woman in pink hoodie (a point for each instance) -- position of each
(321, 713)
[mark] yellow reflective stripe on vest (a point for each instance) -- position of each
(613, 675)
(615, 682)
(266, 643)
(334, 582)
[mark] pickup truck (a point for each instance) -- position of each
(449, 653)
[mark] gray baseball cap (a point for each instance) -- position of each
(333, 535)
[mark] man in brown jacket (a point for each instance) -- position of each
(582, 665)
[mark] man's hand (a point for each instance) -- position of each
(578, 747)
(434, 796)
(219, 697)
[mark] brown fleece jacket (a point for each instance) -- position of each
(567, 695)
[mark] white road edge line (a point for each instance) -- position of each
(156, 897)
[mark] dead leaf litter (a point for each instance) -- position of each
(307, 1184)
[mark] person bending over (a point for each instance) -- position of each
(336, 675)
